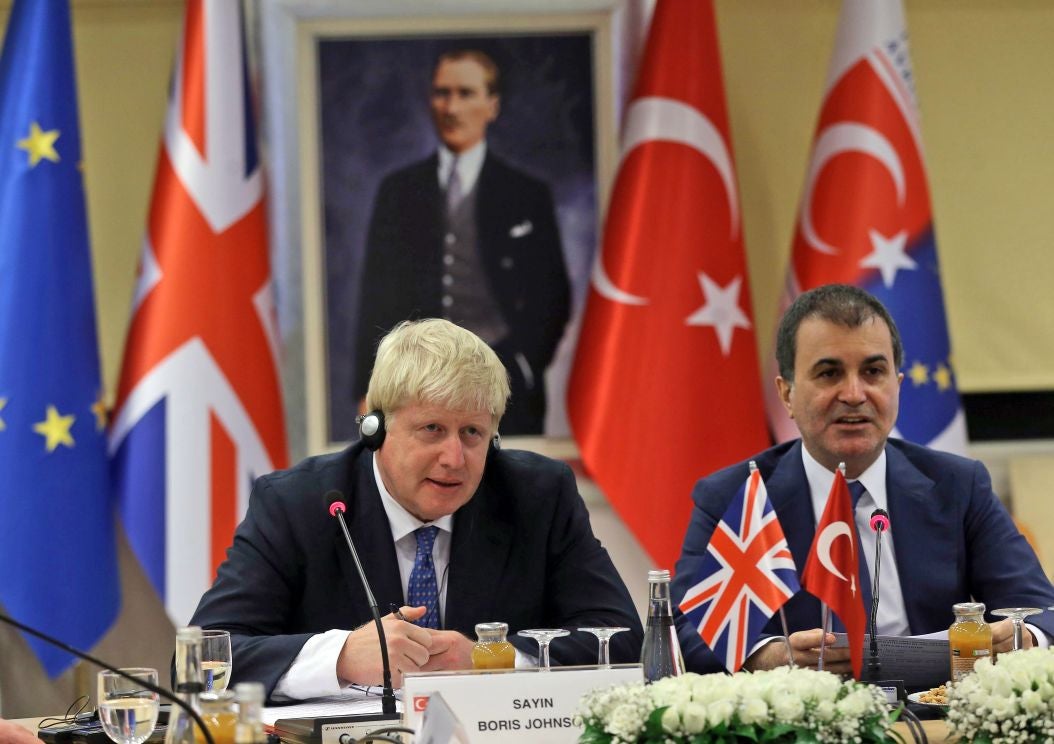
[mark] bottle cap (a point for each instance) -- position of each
(189, 633)
(659, 575)
(249, 692)
(968, 608)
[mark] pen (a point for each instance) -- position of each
(395, 611)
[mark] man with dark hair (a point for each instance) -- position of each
(950, 541)
(465, 236)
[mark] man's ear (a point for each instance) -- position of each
(784, 388)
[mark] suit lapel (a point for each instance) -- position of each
(478, 554)
(919, 529)
(368, 525)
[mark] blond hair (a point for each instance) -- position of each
(435, 362)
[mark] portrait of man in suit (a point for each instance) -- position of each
(464, 235)
(505, 249)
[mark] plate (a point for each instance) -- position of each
(914, 697)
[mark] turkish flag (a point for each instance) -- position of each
(666, 385)
(832, 570)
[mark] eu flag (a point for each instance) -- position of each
(56, 516)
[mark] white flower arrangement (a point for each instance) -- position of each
(781, 705)
(1011, 700)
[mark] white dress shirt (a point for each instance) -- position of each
(313, 672)
(469, 164)
(892, 616)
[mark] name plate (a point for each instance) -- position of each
(528, 705)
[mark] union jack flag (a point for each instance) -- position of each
(746, 576)
(198, 410)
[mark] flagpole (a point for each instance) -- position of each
(826, 624)
(786, 639)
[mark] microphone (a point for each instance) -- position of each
(337, 508)
(879, 524)
(110, 668)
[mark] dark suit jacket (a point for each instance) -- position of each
(952, 537)
(519, 244)
(522, 552)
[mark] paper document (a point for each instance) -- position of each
(351, 703)
(920, 662)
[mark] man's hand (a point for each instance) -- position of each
(806, 647)
(12, 733)
(408, 650)
(450, 650)
(1003, 636)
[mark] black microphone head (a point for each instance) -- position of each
(335, 502)
(879, 520)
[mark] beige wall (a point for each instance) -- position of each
(984, 72)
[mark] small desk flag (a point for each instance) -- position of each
(746, 576)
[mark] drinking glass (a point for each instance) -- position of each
(127, 710)
(216, 659)
(544, 636)
(604, 643)
(1017, 616)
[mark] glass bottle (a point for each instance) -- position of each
(250, 728)
(661, 652)
(220, 714)
(189, 685)
(969, 638)
(492, 651)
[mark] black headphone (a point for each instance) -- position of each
(371, 431)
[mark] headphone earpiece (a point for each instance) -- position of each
(371, 429)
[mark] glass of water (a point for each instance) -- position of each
(127, 709)
(216, 659)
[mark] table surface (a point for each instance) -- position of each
(936, 731)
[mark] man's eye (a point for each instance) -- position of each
(431, 427)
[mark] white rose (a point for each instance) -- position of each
(671, 720)
(720, 712)
(825, 710)
(693, 718)
(788, 708)
(1032, 701)
(854, 704)
(754, 711)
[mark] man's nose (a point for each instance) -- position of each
(853, 390)
(452, 452)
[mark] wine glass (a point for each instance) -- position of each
(127, 710)
(216, 659)
(604, 643)
(544, 636)
(1017, 616)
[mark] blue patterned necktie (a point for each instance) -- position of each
(856, 492)
(423, 589)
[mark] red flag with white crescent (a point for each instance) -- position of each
(666, 386)
(832, 570)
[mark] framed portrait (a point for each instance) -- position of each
(362, 207)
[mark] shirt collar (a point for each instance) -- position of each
(820, 480)
(469, 164)
(402, 522)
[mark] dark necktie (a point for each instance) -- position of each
(453, 189)
(423, 589)
(856, 491)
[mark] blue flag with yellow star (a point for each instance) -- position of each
(57, 547)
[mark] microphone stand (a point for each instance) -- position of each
(388, 693)
(99, 663)
(874, 666)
